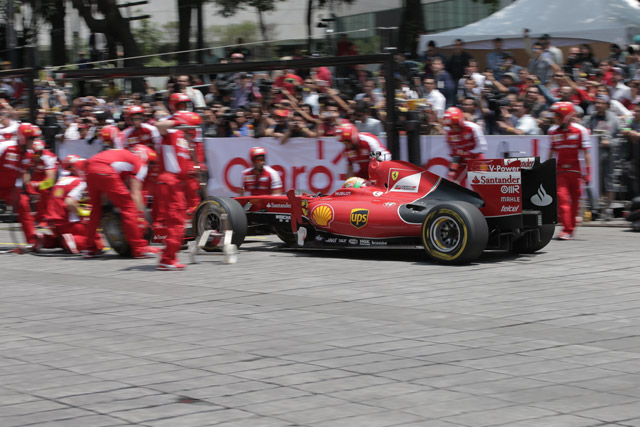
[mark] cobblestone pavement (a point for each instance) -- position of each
(325, 339)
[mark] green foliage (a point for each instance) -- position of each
(368, 45)
(228, 34)
(147, 36)
(231, 7)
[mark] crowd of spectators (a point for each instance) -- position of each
(504, 98)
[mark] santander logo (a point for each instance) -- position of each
(541, 198)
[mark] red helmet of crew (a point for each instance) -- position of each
(177, 98)
(453, 116)
(348, 133)
(27, 131)
(109, 135)
(565, 110)
(257, 152)
(145, 153)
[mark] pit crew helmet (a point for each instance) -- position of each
(453, 116)
(109, 135)
(132, 110)
(38, 147)
(348, 133)
(74, 164)
(188, 118)
(256, 152)
(564, 109)
(146, 154)
(177, 98)
(27, 131)
(355, 182)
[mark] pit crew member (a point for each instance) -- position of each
(198, 167)
(64, 211)
(568, 141)
(175, 166)
(358, 149)
(260, 179)
(107, 173)
(139, 132)
(14, 158)
(44, 169)
(466, 142)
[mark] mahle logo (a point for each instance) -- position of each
(359, 217)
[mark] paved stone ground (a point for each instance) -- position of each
(325, 339)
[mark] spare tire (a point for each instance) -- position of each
(208, 216)
(111, 223)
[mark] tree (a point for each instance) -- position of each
(113, 25)
(228, 34)
(231, 7)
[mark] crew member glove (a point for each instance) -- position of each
(46, 184)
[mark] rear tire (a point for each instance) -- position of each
(208, 216)
(455, 233)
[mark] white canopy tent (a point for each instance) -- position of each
(568, 22)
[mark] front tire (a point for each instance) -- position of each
(208, 216)
(455, 233)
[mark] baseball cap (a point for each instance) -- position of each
(512, 75)
(237, 55)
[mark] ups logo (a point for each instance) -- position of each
(359, 217)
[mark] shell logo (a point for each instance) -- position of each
(322, 215)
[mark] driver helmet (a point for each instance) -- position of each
(355, 182)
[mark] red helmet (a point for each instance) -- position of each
(109, 135)
(453, 116)
(257, 151)
(38, 146)
(74, 164)
(134, 109)
(177, 98)
(564, 109)
(145, 153)
(348, 133)
(188, 118)
(27, 131)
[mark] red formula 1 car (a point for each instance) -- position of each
(512, 207)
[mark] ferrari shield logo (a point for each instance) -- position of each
(394, 175)
(359, 217)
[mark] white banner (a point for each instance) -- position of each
(310, 164)
(319, 166)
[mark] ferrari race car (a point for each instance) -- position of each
(512, 207)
